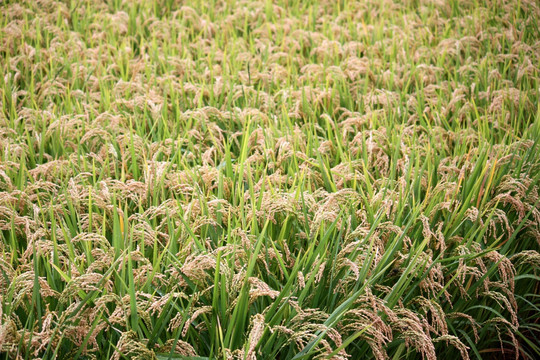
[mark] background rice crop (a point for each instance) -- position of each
(269, 179)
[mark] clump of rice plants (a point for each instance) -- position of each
(269, 179)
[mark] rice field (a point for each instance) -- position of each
(285, 179)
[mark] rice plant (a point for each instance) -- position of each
(233, 179)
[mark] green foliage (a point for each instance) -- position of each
(273, 180)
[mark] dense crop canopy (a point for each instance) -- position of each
(269, 180)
